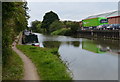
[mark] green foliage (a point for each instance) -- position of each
(36, 26)
(14, 20)
(48, 19)
(60, 28)
(63, 31)
(56, 25)
(13, 70)
(52, 25)
(74, 26)
(67, 23)
(49, 66)
(68, 28)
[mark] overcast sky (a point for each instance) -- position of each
(70, 0)
(74, 11)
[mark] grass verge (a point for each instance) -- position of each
(13, 69)
(48, 64)
(63, 31)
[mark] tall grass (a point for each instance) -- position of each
(13, 69)
(48, 64)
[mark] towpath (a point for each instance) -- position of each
(30, 72)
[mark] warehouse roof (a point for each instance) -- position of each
(108, 14)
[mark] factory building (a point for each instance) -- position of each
(114, 20)
(112, 16)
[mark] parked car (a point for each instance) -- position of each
(114, 27)
(103, 27)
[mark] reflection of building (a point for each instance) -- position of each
(91, 46)
(113, 17)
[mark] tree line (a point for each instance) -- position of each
(51, 24)
(14, 20)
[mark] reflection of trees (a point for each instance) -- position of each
(75, 43)
(56, 44)
(68, 43)
(113, 44)
(51, 44)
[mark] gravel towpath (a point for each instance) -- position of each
(30, 72)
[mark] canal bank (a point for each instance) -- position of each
(85, 64)
(47, 61)
(104, 34)
(49, 66)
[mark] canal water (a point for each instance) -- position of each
(87, 59)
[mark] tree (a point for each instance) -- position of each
(67, 23)
(48, 19)
(74, 27)
(56, 25)
(14, 20)
(36, 26)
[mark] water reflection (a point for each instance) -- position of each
(112, 44)
(87, 65)
(76, 43)
(93, 47)
(85, 58)
(51, 44)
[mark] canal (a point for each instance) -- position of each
(87, 59)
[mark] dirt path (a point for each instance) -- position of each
(30, 72)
